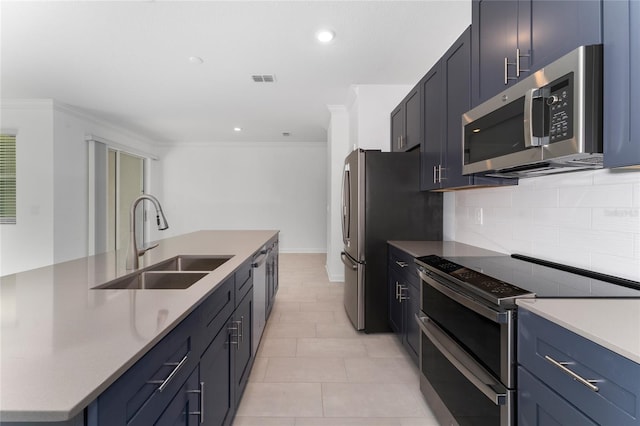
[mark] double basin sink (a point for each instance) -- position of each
(177, 273)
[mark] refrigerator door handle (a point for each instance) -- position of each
(348, 262)
(346, 205)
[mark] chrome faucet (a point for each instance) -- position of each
(134, 251)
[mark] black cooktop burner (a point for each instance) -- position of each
(501, 279)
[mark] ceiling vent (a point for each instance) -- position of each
(264, 78)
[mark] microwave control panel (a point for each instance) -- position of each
(560, 103)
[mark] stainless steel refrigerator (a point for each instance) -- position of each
(381, 201)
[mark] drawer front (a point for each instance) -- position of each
(538, 405)
(216, 310)
(617, 398)
(404, 263)
(244, 280)
(153, 381)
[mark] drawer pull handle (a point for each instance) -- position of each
(574, 376)
(164, 383)
(401, 264)
(401, 295)
(201, 412)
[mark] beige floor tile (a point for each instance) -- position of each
(371, 400)
(345, 421)
(384, 346)
(306, 370)
(337, 330)
(428, 421)
(321, 306)
(331, 348)
(282, 329)
(281, 400)
(280, 306)
(264, 421)
(311, 316)
(381, 370)
(277, 347)
(258, 370)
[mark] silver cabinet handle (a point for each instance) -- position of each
(397, 287)
(201, 412)
(506, 72)
(402, 297)
(518, 56)
(231, 336)
(241, 331)
(435, 175)
(164, 383)
(574, 376)
(401, 264)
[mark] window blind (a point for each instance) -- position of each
(7, 179)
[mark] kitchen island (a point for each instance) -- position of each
(64, 343)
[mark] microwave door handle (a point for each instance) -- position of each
(530, 110)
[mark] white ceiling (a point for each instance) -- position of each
(128, 62)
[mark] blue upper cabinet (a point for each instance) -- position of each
(513, 38)
(621, 84)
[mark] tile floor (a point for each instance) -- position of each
(314, 369)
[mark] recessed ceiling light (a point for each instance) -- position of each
(325, 36)
(196, 60)
(237, 129)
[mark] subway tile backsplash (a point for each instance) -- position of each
(587, 219)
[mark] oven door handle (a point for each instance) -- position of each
(477, 307)
(463, 362)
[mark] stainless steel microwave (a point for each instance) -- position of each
(549, 122)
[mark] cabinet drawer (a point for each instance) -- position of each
(404, 263)
(617, 398)
(153, 381)
(244, 280)
(539, 405)
(216, 310)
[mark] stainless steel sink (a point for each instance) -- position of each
(154, 280)
(190, 263)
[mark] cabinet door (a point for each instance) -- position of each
(243, 318)
(395, 308)
(397, 128)
(495, 30)
(431, 146)
(216, 372)
(411, 305)
(456, 69)
(622, 93)
(555, 28)
(413, 122)
(540, 406)
(184, 408)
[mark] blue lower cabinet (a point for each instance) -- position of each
(185, 408)
(217, 375)
(243, 343)
(540, 406)
(564, 374)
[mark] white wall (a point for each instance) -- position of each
(29, 243)
(370, 107)
(586, 219)
(52, 182)
(337, 150)
(261, 185)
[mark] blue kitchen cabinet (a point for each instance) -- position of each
(217, 368)
(404, 302)
(243, 342)
(621, 85)
(446, 97)
(564, 378)
(513, 38)
(406, 125)
(184, 408)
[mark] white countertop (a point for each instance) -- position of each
(62, 343)
(612, 323)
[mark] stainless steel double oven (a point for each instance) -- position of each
(468, 323)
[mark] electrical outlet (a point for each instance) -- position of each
(478, 216)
